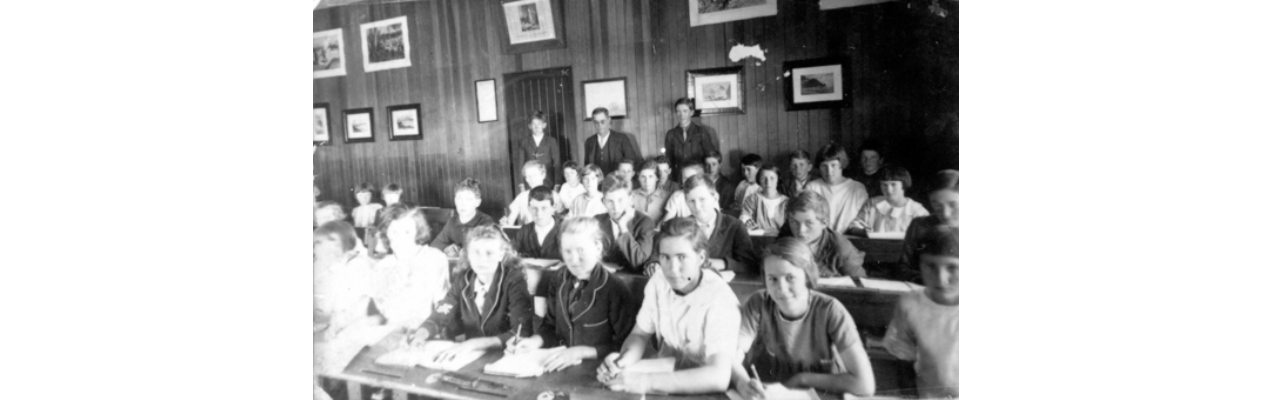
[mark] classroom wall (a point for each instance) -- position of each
(904, 86)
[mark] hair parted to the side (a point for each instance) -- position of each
(809, 201)
(751, 159)
(613, 183)
(585, 225)
(403, 212)
(831, 152)
(484, 232)
(542, 193)
(798, 254)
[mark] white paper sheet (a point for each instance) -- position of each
(888, 286)
(408, 357)
(838, 281)
(522, 365)
(887, 235)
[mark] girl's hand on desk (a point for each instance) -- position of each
(750, 389)
(473, 344)
(452, 251)
(629, 382)
(609, 367)
(519, 345)
(415, 338)
(567, 358)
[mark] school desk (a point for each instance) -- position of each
(578, 381)
(876, 250)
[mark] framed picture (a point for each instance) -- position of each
(607, 93)
(706, 12)
(832, 4)
(487, 101)
(385, 44)
(328, 53)
(532, 25)
(819, 83)
(321, 124)
(403, 122)
(359, 125)
(718, 90)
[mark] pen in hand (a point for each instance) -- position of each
(516, 338)
(756, 378)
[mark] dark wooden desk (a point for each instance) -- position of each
(876, 250)
(578, 381)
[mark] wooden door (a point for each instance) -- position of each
(550, 91)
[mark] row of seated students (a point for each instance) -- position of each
(787, 333)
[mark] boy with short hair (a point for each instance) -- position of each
(871, 165)
(664, 175)
(924, 328)
(626, 169)
(725, 188)
(629, 232)
(518, 211)
(800, 174)
(750, 173)
(466, 216)
(676, 205)
(541, 238)
(845, 196)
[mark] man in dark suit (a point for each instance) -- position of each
(606, 148)
(630, 232)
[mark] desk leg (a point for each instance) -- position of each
(355, 391)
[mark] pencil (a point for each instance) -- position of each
(756, 372)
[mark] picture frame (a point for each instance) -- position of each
(404, 123)
(531, 25)
(833, 4)
(609, 93)
(706, 12)
(718, 90)
(818, 83)
(487, 101)
(321, 124)
(359, 125)
(385, 44)
(328, 54)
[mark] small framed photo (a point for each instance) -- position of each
(403, 122)
(608, 93)
(532, 25)
(706, 12)
(718, 90)
(321, 124)
(385, 44)
(328, 53)
(359, 125)
(819, 83)
(487, 101)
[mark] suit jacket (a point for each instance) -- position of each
(602, 316)
(507, 306)
(731, 243)
(617, 147)
(632, 249)
(454, 231)
(526, 242)
(835, 256)
(546, 152)
(681, 151)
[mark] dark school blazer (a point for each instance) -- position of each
(507, 306)
(603, 315)
(631, 251)
(729, 242)
(454, 230)
(526, 242)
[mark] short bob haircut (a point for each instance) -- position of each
(539, 116)
(364, 187)
(394, 213)
(471, 185)
(684, 227)
(392, 188)
(585, 225)
(339, 230)
(890, 173)
(322, 205)
(797, 253)
(571, 165)
(488, 232)
(591, 169)
(831, 152)
(542, 193)
(809, 201)
(946, 179)
(768, 167)
(751, 159)
(683, 101)
(938, 242)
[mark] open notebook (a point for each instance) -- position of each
(423, 356)
(777, 391)
(522, 365)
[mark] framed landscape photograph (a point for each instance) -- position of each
(718, 90)
(532, 25)
(385, 44)
(328, 53)
(487, 101)
(706, 12)
(403, 122)
(359, 125)
(608, 93)
(321, 124)
(819, 83)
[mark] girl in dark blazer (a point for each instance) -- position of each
(588, 310)
(487, 301)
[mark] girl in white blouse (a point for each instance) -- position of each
(891, 212)
(413, 276)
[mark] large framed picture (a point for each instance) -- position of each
(608, 93)
(321, 124)
(706, 12)
(532, 25)
(385, 44)
(832, 4)
(359, 125)
(403, 122)
(819, 83)
(718, 90)
(328, 53)
(487, 101)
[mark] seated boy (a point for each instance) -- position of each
(664, 175)
(871, 165)
(800, 174)
(944, 213)
(749, 183)
(328, 211)
(626, 169)
(845, 196)
(539, 239)
(723, 186)
(518, 211)
(466, 216)
(833, 253)
(676, 205)
(648, 197)
(924, 328)
(629, 232)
